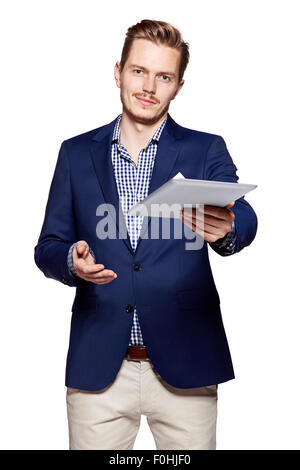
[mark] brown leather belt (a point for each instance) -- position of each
(137, 353)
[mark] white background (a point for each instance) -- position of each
(242, 82)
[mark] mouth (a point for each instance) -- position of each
(145, 102)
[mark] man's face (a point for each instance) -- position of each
(150, 72)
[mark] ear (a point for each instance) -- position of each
(178, 89)
(117, 73)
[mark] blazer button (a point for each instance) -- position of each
(136, 266)
(129, 308)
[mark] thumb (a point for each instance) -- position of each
(82, 248)
(230, 205)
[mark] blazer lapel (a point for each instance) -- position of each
(101, 158)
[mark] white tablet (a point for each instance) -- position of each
(180, 192)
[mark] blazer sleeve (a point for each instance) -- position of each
(220, 167)
(58, 231)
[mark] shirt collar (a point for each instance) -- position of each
(154, 140)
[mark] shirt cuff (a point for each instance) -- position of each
(227, 244)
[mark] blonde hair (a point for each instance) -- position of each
(158, 32)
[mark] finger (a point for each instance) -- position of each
(106, 273)
(208, 221)
(218, 212)
(197, 223)
(96, 281)
(188, 211)
(193, 226)
(100, 280)
(102, 274)
(85, 268)
(230, 205)
(193, 219)
(212, 232)
(209, 237)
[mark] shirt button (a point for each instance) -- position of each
(129, 308)
(137, 267)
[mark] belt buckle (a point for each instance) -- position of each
(136, 360)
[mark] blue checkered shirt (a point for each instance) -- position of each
(133, 185)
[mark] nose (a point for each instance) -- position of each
(149, 85)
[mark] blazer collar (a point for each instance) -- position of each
(167, 152)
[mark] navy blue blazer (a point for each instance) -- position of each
(177, 301)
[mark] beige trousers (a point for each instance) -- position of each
(110, 418)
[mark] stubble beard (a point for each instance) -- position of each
(142, 119)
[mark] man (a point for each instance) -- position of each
(146, 333)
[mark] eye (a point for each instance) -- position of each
(137, 70)
(166, 77)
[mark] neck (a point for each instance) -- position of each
(136, 134)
